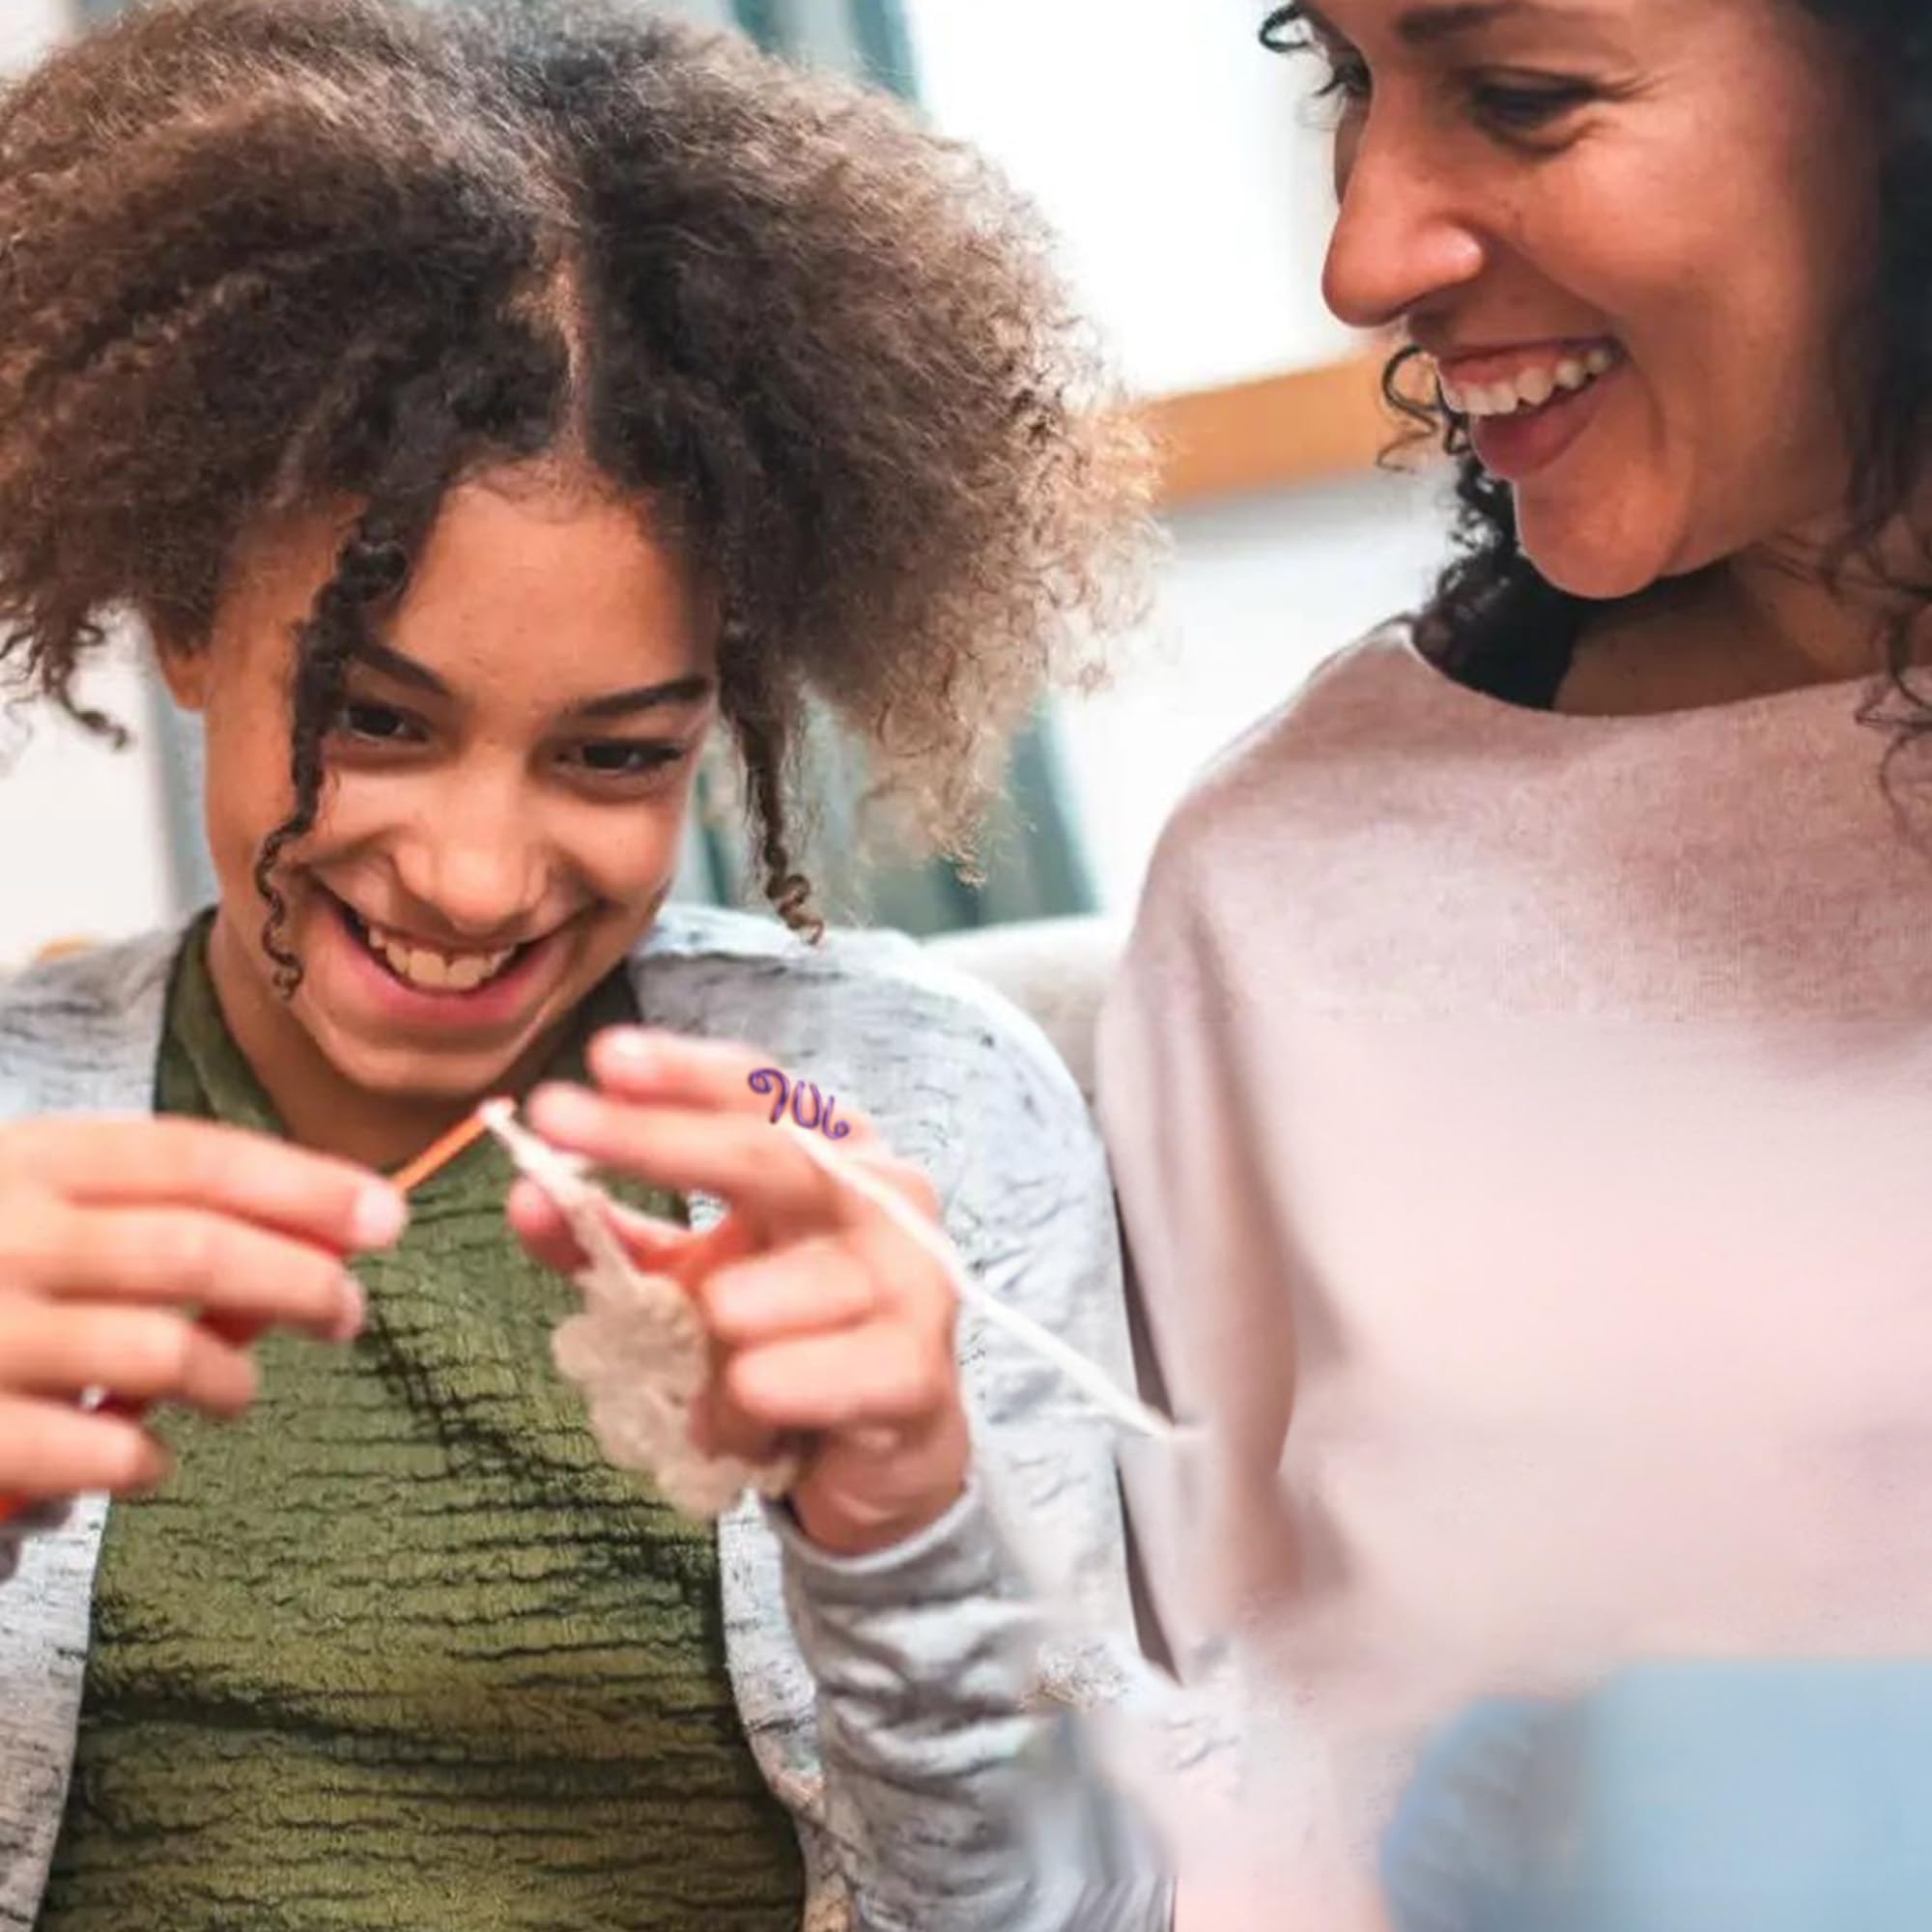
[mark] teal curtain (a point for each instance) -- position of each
(1032, 863)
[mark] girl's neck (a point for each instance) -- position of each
(315, 1104)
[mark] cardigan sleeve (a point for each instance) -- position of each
(961, 1781)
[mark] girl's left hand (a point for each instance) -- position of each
(828, 1320)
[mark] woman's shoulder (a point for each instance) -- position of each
(1353, 703)
(1369, 714)
(81, 1030)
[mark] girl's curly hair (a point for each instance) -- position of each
(257, 255)
(1494, 622)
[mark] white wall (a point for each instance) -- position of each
(82, 850)
(1175, 158)
(26, 27)
(1259, 592)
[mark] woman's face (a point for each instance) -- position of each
(1629, 231)
(507, 783)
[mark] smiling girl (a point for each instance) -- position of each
(1522, 1081)
(479, 407)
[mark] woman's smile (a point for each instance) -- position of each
(1528, 406)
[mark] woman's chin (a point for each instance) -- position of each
(1584, 563)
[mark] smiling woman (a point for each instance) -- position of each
(478, 406)
(1522, 1057)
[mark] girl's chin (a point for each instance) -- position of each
(407, 1074)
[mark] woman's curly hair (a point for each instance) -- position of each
(1494, 622)
(258, 255)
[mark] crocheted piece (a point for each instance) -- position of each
(638, 1352)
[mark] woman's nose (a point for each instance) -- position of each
(1400, 239)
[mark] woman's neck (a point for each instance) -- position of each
(1767, 620)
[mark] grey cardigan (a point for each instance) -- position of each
(902, 1706)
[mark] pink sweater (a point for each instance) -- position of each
(1524, 1132)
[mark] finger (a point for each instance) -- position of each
(802, 1289)
(729, 1155)
(223, 1170)
(720, 1427)
(177, 1256)
(138, 1356)
(660, 1246)
(53, 1449)
(668, 1069)
(883, 1373)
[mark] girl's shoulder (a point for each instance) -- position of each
(80, 1033)
(907, 1033)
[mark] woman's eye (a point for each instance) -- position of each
(378, 725)
(625, 758)
(1524, 108)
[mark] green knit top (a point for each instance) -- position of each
(399, 1650)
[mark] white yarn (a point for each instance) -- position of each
(637, 1351)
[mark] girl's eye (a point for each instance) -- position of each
(625, 757)
(1526, 107)
(378, 725)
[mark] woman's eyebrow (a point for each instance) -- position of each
(694, 689)
(1431, 25)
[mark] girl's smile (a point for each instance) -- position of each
(413, 982)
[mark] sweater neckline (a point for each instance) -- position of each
(1841, 696)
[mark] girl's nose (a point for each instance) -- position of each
(477, 864)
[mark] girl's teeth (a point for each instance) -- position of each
(428, 969)
(1571, 374)
(433, 971)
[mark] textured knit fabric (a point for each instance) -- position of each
(402, 1637)
(894, 1702)
(1521, 1126)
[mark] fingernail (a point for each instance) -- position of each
(633, 1049)
(355, 1311)
(380, 1216)
(561, 1110)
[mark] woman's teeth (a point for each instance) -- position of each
(1531, 387)
(437, 971)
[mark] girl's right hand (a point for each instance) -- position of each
(117, 1237)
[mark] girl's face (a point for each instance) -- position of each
(507, 784)
(1629, 231)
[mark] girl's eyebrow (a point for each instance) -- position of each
(694, 689)
(677, 691)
